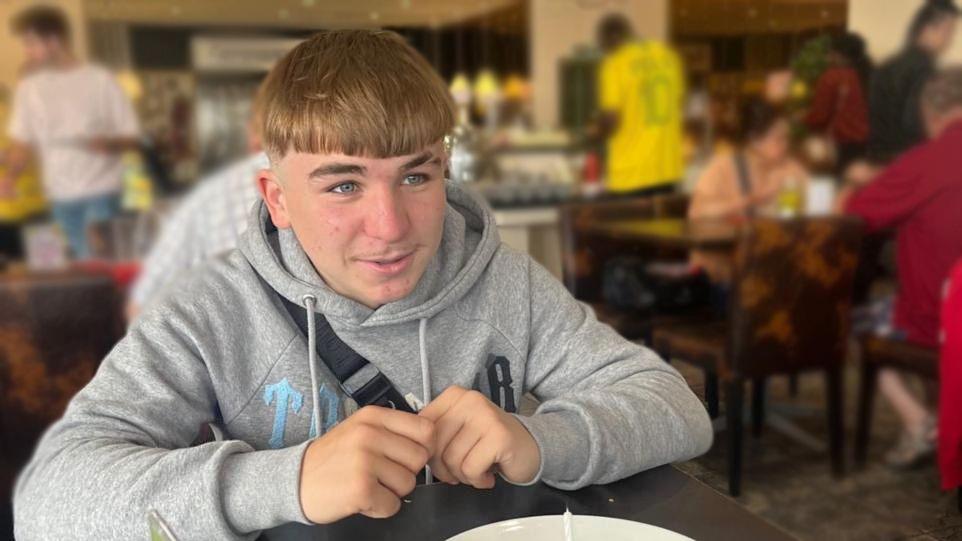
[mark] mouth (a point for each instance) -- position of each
(390, 264)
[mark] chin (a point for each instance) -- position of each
(387, 293)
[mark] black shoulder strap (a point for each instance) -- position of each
(744, 180)
(358, 378)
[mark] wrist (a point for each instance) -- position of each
(529, 457)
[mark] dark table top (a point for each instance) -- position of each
(670, 232)
(662, 497)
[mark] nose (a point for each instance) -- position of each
(388, 220)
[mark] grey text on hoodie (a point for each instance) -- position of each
(223, 351)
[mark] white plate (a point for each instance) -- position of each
(583, 528)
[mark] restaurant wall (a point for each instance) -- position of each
(12, 56)
(556, 26)
(883, 24)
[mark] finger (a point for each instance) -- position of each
(441, 473)
(407, 453)
(446, 429)
(469, 405)
(440, 405)
(480, 462)
(409, 425)
(396, 478)
(458, 449)
(382, 503)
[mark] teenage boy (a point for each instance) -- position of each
(361, 251)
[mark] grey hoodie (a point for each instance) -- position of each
(222, 352)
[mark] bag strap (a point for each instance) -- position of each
(744, 180)
(359, 379)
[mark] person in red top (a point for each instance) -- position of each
(950, 380)
(920, 195)
(839, 107)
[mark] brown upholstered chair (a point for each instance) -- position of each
(789, 313)
(880, 353)
(54, 331)
(584, 255)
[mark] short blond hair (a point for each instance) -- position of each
(357, 92)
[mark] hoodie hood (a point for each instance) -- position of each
(469, 240)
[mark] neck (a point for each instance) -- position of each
(62, 59)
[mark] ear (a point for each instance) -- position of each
(272, 191)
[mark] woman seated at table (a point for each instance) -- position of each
(747, 182)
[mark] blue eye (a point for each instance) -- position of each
(345, 188)
(414, 180)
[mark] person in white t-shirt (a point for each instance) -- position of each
(75, 117)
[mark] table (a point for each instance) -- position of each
(670, 232)
(715, 235)
(662, 497)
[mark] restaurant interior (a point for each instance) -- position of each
(830, 422)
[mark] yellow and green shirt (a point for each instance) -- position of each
(642, 82)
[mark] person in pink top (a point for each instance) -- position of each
(950, 376)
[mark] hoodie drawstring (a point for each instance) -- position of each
(309, 303)
(425, 380)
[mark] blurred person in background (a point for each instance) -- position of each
(839, 108)
(950, 382)
(75, 117)
(747, 181)
(641, 98)
(894, 113)
(920, 195)
(209, 222)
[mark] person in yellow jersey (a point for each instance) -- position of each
(641, 93)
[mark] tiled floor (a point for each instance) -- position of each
(791, 486)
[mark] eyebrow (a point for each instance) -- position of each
(421, 160)
(338, 169)
(354, 169)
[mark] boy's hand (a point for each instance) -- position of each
(364, 465)
(475, 437)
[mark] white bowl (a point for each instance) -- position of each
(583, 528)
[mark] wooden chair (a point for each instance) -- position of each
(54, 331)
(584, 255)
(789, 313)
(878, 353)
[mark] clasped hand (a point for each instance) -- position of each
(370, 461)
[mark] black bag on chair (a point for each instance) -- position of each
(631, 284)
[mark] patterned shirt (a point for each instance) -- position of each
(207, 223)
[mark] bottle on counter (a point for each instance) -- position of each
(591, 184)
(790, 198)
